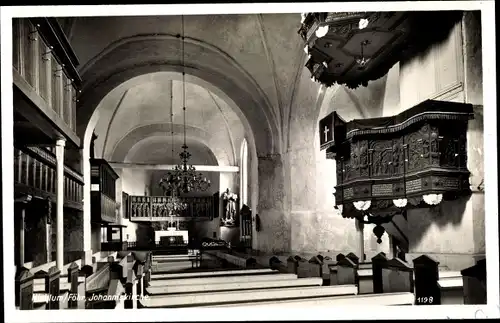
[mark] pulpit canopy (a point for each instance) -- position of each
(353, 48)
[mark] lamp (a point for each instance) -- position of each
(184, 176)
(363, 23)
(362, 61)
(322, 31)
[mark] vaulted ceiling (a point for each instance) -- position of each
(241, 71)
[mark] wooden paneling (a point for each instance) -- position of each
(104, 195)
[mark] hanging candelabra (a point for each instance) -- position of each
(184, 176)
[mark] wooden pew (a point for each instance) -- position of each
(351, 271)
(234, 286)
(24, 289)
(239, 260)
(379, 261)
(226, 273)
(328, 262)
(138, 269)
(359, 300)
(441, 287)
(276, 265)
(131, 291)
(427, 290)
(215, 298)
(397, 277)
(119, 269)
(112, 299)
(347, 271)
(221, 279)
(76, 297)
(293, 264)
(474, 282)
(98, 282)
(333, 269)
(49, 289)
(104, 288)
(311, 268)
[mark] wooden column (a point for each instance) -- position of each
(22, 202)
(21, 235)
(361, 237)
(48, 230)
(60, 203)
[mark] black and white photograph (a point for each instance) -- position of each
(270, 158)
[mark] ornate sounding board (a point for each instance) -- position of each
(386, 165)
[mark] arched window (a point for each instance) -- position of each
(244, 173)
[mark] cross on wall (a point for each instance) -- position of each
(326, 131)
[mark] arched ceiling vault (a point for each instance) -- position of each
(146, 105)
(158, 150)
(161, 133)
(248, 61)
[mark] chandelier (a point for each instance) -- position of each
(183, 177)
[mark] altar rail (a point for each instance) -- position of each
(152, 208)
(35, 174)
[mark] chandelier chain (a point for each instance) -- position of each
(183, 176)
(183, 81)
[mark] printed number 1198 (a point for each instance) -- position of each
(425, 300)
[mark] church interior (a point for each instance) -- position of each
(248, 160)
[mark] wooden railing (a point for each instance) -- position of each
(103, 208)
(152, 208)
(43, 58)
(103, 195)
(35, 174)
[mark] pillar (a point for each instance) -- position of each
(392, 247)
(21, 236)
(361, 236)
(60, 203)
(274, 219)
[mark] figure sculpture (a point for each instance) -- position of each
(230, 199)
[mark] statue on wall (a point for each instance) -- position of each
(230, 208)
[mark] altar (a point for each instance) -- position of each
(172, 234)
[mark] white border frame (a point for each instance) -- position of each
(345, 312)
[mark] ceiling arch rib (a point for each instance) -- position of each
(119, 152)
(210, 69)
(158, 150)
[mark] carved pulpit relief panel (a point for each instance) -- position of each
(414, 159)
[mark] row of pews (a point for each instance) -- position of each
(318, 281)
(113, 280)
(243, 284)
(425, 278)
(225, 279)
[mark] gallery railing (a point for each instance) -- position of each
(44, 60)
(35, 174)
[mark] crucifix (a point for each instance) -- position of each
(326, 131)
